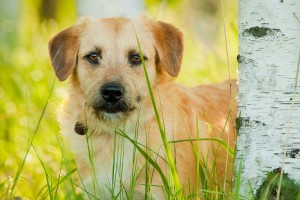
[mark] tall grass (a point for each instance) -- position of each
(21, 165)
(178, 188)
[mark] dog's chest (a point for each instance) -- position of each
(105, 162)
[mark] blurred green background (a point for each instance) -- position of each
(26, 78)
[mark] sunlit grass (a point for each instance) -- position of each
(25, 82)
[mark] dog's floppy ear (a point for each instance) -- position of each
(63, 49)
(169, 47)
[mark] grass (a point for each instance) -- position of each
(35, 162)
(171, 164)
(21, 165)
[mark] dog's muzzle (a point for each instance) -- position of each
(112, 99)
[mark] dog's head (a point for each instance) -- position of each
(103, 57)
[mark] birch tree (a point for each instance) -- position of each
(268, 143)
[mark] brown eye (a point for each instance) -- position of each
(136, 59)
(93, 58)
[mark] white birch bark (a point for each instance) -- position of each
(110, 8)
(269, 103)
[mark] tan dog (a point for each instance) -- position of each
(109, 93)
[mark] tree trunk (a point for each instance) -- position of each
(269, 101)
(110, 8)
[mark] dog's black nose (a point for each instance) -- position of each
(112, 92)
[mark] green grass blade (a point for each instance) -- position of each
(62, 180)
(90, 195)
(17, 176)
(221, 142)
(89, 142)
(251, 190)
(150, 160)
(83, 188)
(59, 176)
(67, 167)
(49, 184)
(161, 129)
(238, 183)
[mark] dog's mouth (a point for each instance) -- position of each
(112, 108)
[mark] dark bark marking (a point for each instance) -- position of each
(240, 59)
(246, 121)
(293, 153)
(243, 60)
(238, 124)
(259, 32)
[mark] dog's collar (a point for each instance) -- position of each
(80, 129)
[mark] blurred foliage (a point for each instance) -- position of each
(26, 76)
(25, 81)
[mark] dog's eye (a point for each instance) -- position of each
(93, 58)
(135, 59)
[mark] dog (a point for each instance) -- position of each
(109, 99)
